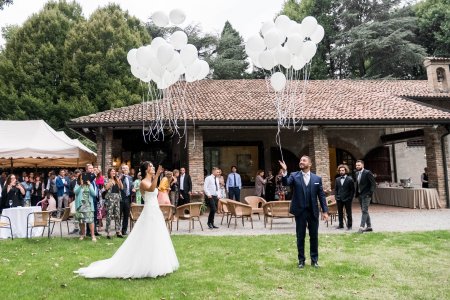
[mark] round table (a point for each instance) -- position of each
(18, 217)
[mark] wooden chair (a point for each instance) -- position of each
(224, 209)
(167, 210)
(135, 212)
(276, 210)
(41, 219)
(239, 210)
(5, 224)
(332, 209)
(189, 211)
(256, 203)
(64, 218)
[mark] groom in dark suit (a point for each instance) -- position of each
(344, 191)
(365, 186)
(307, 188)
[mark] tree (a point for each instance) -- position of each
(4, 3)
(230, 62)
(434, 26)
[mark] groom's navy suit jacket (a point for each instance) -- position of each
(306, 196)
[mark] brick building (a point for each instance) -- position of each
(397, 126)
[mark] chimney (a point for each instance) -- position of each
(438, 73)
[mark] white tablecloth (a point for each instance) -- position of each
(18, 216)
(412, 198)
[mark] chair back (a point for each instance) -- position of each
(41, 218)
(135, 211)
(223, 205)
(255, 201)
(167, 210)
(66, 214)
(332, 205)
(280, 208)
(231, 206)
(189, 210)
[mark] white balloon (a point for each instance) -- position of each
(143, 56)
(267, 59)
(254, 57)
(135, 71)
(294, 43)
(160, 18)
(178, 40)
(174, 63)
(255, 43)
(278, 81)
(272, 39)
(309, 50)
(131, 57)
(283, 57)
(169, 78)
(296, 29)
(165, 54)
(180, 70)
(298, 62)
(177, 16)
(156, 43)
(318, 34)
(283, 23)
(204, 70)
(266, 27)
(188, 54)
(309, 24)
(156, 67)
(194, 69)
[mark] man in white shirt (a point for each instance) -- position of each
(211, 188)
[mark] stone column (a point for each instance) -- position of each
(435, 167)
(104, 137)
(195, 158)
(320, 155)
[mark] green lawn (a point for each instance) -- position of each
(367, 266)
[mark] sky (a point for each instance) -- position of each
(246, 16)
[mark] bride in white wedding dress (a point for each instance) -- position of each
(148, 250)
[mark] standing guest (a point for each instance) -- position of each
(112, 202)
(308, 189)
(101, 210)
(28, 187)
(175, 188)
(365, 186)
(211, 189)
(234, 184)
(280, 189)
(31, 177)
(3, 179)
(37, 191)
(51, 184)
(132, 173)
(127, 187)
(84, 205)
(222, 190)
(99, 179)
(260, 184)
(270, 187)
(62, 186)
(12, 191)
(92, 175)
(344, 191)
(424, 178)
(185, 187)
(72, 183)
(136, 189)
(164, 188)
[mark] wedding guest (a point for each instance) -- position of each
(112, 202)
(136, 189)
(28, 187)
(260, 184)
(234, 184)
(37, 191)
(12, 191)
(185, 187)
(175, 188)
(48, 202)
(125, 204)
(62, 186)
(270, 187)
(280, 189)
(164, 188)
(222, 194)
(424, 178)
(84, 205)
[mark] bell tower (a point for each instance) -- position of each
(438, 73)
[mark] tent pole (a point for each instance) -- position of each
(12, 165)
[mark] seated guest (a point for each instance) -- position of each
(48, 202)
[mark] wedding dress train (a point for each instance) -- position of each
(147, 252)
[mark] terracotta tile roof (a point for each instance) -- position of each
(326, 100)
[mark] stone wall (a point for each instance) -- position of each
(195, 159)
(320, 155)
(105, 134)
(434, 161)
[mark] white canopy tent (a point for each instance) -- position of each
(35, 144)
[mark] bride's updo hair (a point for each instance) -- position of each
(144, 167)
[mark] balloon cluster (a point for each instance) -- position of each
(166, 62)
(284, 43)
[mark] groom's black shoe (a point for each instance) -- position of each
(210, 226)
(214, 226)
(301, 265)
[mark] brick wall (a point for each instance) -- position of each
(320, 155)
(195, 158)
(434, 161)
(107, 134)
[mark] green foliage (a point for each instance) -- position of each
(230, 62)
(367, 266)
(434, 26)
(4, 3)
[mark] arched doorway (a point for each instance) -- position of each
(379, 162)
(340, 156)
(290, 159)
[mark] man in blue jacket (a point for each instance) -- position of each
(307, 189)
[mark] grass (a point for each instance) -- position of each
(368, 266)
